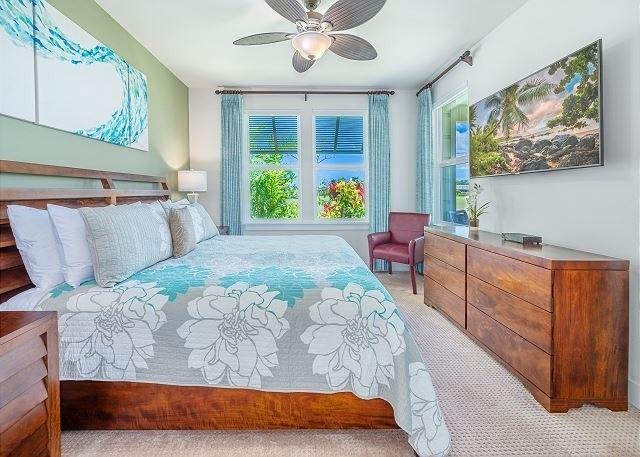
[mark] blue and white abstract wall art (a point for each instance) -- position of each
(17, 69)
(81, 85)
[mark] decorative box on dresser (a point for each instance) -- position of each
(555, 317)
(29, 384)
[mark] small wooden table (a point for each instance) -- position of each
(29, 384)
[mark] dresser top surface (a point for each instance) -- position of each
(545, 255)
(13, 323)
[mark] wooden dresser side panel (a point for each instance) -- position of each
(591, 330)
(53, 387)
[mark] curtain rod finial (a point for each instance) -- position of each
(467, 58)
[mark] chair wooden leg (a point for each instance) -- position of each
(390, 270)
(413, 279)
(371, 260)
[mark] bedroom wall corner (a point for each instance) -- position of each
(595, 209)
(168, 116)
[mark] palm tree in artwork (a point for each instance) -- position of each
(506, 105)
(473, 118)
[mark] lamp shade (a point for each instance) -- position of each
(192, 181)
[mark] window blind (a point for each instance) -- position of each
(273, 135)
(339, 134)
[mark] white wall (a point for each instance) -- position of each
(204, 134)
(595, 209)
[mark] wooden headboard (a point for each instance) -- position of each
(13, 276)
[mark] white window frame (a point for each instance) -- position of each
(247, 168)
(307, 216)
(333, 167)
(439, 163)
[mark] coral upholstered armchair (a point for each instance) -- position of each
(403, 243)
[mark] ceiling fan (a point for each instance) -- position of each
(315, 29)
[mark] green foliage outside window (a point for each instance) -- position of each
(341, 199)
(274, 193)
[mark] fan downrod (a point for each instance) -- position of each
(311, 4)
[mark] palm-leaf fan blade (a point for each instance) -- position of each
(346, 14)
(353, 47)
(300, 63)
(288, 9)
(263, 38)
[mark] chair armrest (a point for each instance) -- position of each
(378, 238)
(416, 250)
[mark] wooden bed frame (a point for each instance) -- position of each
(99, 405)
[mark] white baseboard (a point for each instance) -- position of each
(634, 393)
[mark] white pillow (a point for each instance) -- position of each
(162, 219)
(167, 205)
(72, 235)
(36, 241)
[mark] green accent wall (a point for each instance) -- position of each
(168, 115)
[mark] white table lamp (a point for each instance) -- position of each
(192, 181)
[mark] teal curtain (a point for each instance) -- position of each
(231, 176)
(424, 168)
(424, 174)
(379, 171)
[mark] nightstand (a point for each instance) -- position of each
(223, 229)
(29, 384)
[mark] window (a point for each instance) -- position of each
(305, 168)
(452, 159)
(340, 167)
(274, 167)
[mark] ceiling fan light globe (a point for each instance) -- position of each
(311, 44)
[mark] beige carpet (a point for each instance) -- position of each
(489, 413)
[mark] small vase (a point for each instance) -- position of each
(473, 224)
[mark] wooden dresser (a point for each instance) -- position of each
(29, 385)
(557, 318)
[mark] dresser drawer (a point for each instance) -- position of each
(525, 319)
(447, 250)
(445, 275)
(529, 282)
(529, 360)
(448, 302)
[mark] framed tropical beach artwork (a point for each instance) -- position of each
(550, 120)
(74, 83)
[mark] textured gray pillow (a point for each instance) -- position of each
(183, 234)
(123, 240)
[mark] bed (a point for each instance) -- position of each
(242, 333)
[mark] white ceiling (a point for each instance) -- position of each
(414, 38)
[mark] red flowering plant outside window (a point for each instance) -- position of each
(342, 198)
(340, 173)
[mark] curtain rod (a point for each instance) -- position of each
(466, 58)
(304, 92)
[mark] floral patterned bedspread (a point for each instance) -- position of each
(290, 313)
